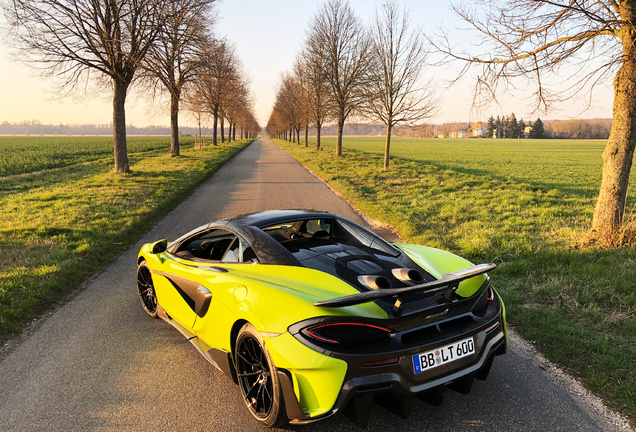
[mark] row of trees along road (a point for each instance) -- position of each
(344, 68)
(164, 44)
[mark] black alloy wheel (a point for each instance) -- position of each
(258, 379)
(146, 289)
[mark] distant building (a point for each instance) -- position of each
(526, 131)
(479, 132)
(460, 134)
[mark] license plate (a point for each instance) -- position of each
(443, 355)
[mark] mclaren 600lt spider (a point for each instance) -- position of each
(311, 314)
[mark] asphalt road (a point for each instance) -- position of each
(99, 363)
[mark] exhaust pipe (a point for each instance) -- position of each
(410, 276)
(374, 282)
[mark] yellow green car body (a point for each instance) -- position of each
(311, 314)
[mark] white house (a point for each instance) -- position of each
(479, 132)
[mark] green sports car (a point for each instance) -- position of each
(311, 314)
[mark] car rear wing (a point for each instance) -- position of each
(448, 282)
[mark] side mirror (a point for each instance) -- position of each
(159, 246)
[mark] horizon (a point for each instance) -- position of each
(325, 125)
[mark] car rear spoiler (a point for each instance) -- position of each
(449, 281)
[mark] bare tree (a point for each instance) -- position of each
(175, 56)
(75, 38)
(236, 105)
(198, 116)
(194, 100)
(302, 89)
(288, 105)
(303, 111)
(248, 123)
(275, 125)
(215, 79)
(393, 91)
(309, 67)
(534, 38)
(337, 37)
(221, 90)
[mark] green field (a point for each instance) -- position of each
(567, 165)
(525, 205)
(19, 154)
(63, 221)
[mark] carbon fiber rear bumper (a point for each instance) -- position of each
(395, 385)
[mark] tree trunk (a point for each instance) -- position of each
(200, 138)
(234, 132)
(338, 152)
(215, 114)
(307, 134)
(222, 129)
(174, 124)
(229, 132)
(119, 127)
(619, 151)
(387, 146)
(318, 128)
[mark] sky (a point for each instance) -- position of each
(267, 35)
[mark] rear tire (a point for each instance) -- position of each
(258, 378)
(146, 289)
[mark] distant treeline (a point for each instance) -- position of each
(574, 129)
(36, 128)
(565, 129)
(578, 128)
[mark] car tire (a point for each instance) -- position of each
(146, 289)
(258, 378)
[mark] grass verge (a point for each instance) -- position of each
(576, 304)
(60, 226)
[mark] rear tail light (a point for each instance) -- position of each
(487, 297)
(347, 333)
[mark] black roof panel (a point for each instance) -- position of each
(273, 217)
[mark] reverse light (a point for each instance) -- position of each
(348, 333)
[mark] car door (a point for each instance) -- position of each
(225, 285)
(182, 291)
(176, 288)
